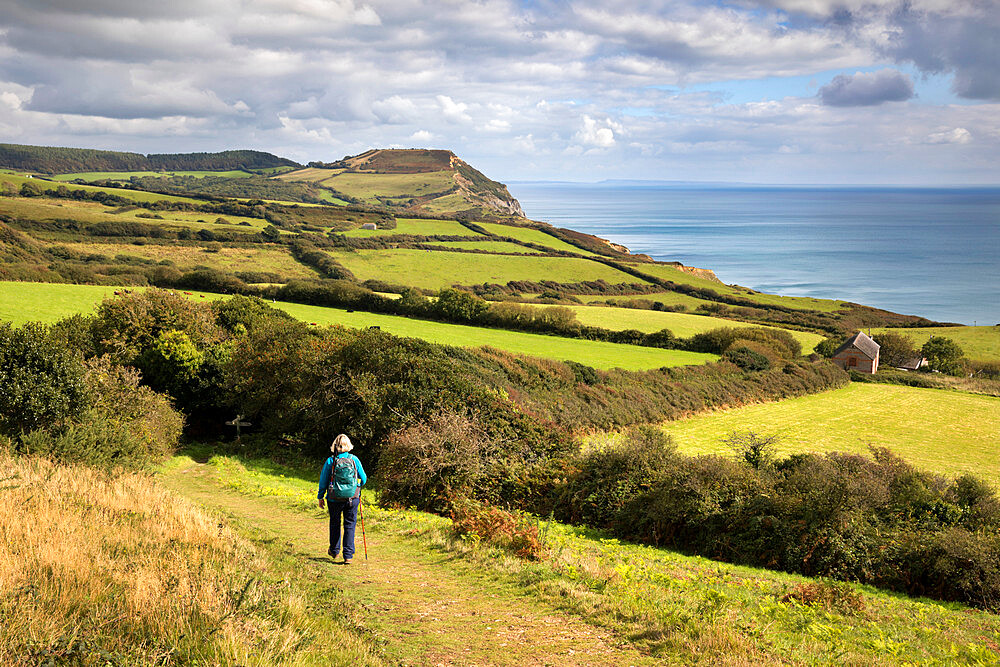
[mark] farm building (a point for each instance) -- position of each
(858, 353)
(369, 225)
(913, 364)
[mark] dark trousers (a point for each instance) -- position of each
(349, 510)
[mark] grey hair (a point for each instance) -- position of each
(341, 444)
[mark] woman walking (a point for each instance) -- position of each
(340, 486)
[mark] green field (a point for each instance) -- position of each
(681, 324)
(273, 259)
(45, 302)
(489, 246)
(89, 212)
(533, 236)
(944, 431)
(434, 270)
(370, 186)
(978, 343)
(417, 227)
(134, 195)
(666, 298)
(592, 353)
(126, 175)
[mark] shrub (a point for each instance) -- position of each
(515, 532)
(831, 595)
(128, 324)
(41, 382)
(716, 341)
(607, 479)
(428, 464)
(747, 358)
(895, 349)
(755, 450)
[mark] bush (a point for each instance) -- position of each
(41, 382)
(428, 464)
(515, 532)
(746, 358)
(717, 341)
(607, 479)
(755, 450)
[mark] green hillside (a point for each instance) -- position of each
(948, 432)
(53, 160)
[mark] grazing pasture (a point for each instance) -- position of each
(978, 343)
(418, 227)
(682, 325)
(274, 259)
(434, 270)
(126, 175)
(134, 195)
(489, 246)
(598, 354)
(666, 298)
(949, 432)
(47, 302)
(89, 212)
(369, 187)
(533, 236)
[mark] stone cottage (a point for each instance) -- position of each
(858, 353)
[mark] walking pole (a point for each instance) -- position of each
(364, 539)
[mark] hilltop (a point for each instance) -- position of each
(415, 180)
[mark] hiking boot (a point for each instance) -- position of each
(347, 561)
(331, 553)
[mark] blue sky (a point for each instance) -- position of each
(768, 91)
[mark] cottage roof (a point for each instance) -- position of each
(862, 342)
(913, 363)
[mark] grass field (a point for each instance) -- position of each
(434, 270)
(682, 325)
(666, 298)
(978, 343)
(126, 175)
(311, 174)
(134, 195)
(46, 302)
(368, 186)
(274, 259)
(489, 246)
(592, 353)
(532, 236)
(419, 227)
(944, 431)
(88, 212)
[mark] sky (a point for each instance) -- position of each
(754, 91)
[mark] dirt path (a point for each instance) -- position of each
(429, 608)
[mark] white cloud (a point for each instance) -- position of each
(957, 135)
(421, 136)
(454, 111)
(595, 134)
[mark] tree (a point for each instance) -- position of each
(460, 306)
(945, 355)
(895, 349)
(41, 382)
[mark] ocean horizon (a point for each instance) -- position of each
(930, 251)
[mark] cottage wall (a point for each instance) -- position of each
(853, 359)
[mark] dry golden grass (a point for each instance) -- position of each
(104, 569)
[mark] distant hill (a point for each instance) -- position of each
(422, 180)
(54, 160)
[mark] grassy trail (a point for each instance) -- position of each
(424, 607)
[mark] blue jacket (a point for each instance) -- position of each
(324, 477)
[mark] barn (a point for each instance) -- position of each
(369, 225)
(858, 353)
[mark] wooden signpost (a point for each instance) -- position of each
(238, 423)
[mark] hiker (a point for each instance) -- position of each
(340, 485)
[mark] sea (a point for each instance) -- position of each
(933, 252)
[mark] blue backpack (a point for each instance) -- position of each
(343, 478)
